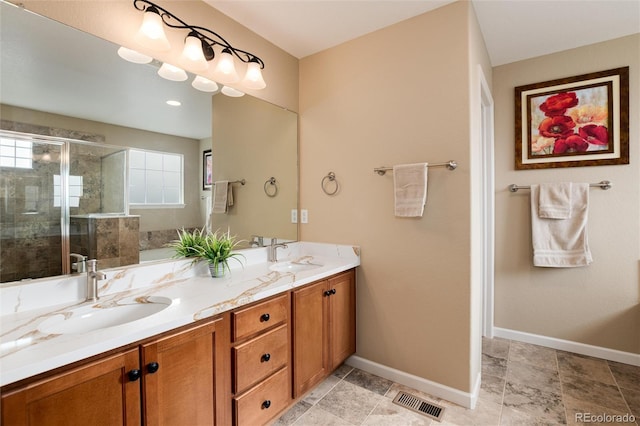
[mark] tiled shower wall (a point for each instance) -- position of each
(111, 240)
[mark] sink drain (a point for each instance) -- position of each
(419, 405)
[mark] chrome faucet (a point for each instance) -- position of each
(272, 255)
(93, 276)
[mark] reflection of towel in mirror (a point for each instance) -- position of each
(220, 196)
(229, 195)
(410, 189)
(207, 213)
(561, 243)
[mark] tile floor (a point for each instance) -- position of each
(522, 384)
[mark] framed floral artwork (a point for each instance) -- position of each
(207, 170)
(573, 122)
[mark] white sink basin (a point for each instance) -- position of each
(293, 266)
(98, 316)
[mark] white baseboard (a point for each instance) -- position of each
(569, 346)
(465, 399)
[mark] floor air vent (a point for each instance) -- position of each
(419, 405)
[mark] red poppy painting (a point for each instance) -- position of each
(576, 121)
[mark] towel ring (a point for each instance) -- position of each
(271, 181)
(330, 177)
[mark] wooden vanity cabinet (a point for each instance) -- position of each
(324, 329)
(98, 393)
(260, 355)
(170, 380)
(178, 378)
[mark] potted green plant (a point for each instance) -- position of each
(216, 248)
(187, 242)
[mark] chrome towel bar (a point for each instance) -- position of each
(241, 182)
(605, 184)
(451, 165)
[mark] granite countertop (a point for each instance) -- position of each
(27, 349)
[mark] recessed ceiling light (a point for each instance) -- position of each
(174, 103)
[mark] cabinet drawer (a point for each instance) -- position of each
(258, 358)
(254, 319)
(264, 401)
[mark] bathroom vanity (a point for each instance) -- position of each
(237, 350)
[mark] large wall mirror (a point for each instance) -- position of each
(90, 108)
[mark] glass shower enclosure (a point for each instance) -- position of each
(60, 197)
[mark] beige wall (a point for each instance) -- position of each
(599, 304)
(118, 21)
(398, 95)
(150, 219)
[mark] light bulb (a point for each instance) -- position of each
(133, 56)
(151, 33)
(225, 71)
(253, 78)
(230, 91)
(192, 55)
(204, 84)
(172, 73)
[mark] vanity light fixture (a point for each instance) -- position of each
(225, 71)
(151, 33)
(199, 46)
(253, 78)
(192, 54)
(172, 73)
(204, 84)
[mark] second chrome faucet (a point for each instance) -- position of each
(93, 276)
(272, 255)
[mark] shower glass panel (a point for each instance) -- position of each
(99, 225)
(30, 211)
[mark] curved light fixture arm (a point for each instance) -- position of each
(207, 41)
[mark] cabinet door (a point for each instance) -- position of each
(342, 318)
(310, 336)
(178, 378)
(99, 393)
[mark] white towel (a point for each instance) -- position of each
(561, 243)
(410, 189)
(220, 194)
(554, 201)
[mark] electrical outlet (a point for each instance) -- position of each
(294, 215)
(304, 216)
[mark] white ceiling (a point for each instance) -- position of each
(513, 29)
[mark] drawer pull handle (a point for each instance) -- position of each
(333, 291)
(266, 404)
(265, 358)
(327, 293)
(265, 317)
(134, 375)
(152, 367)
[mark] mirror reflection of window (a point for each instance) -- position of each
(155, 178)
(16, 153)
(75, 190)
